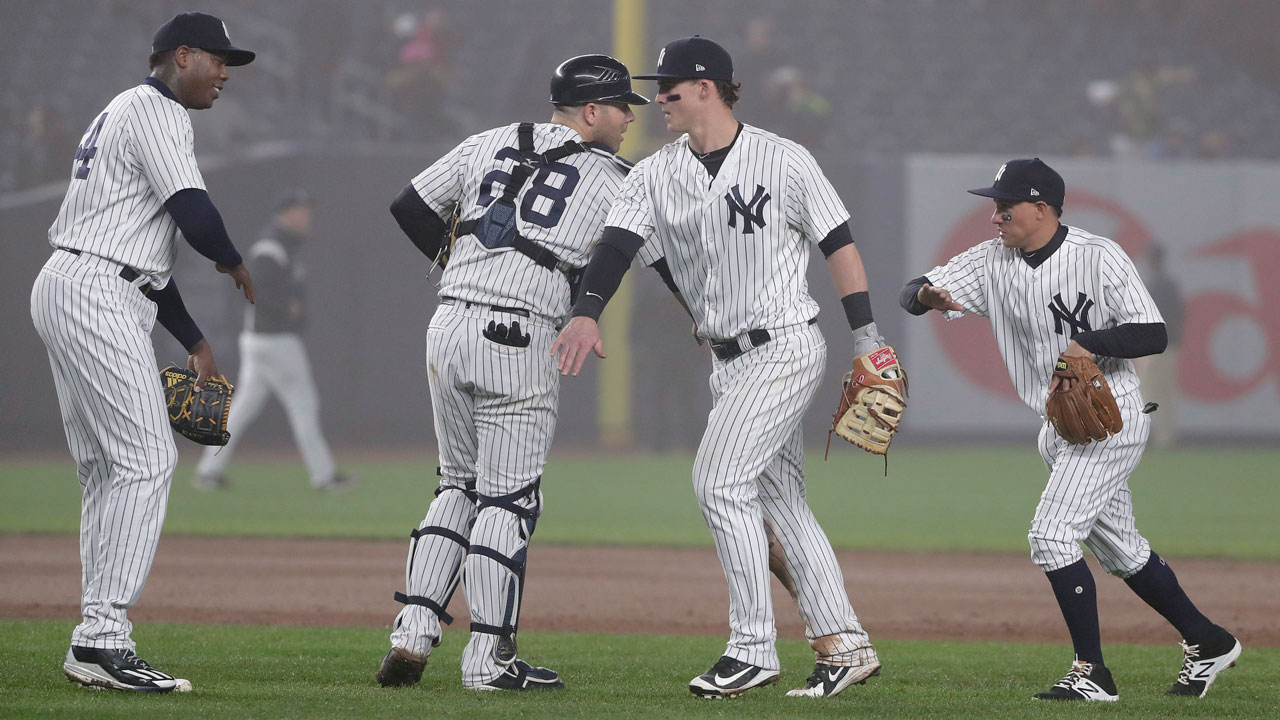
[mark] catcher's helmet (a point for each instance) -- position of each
(593, 78)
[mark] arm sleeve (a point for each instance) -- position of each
(836, 239)
(909, 297)
(609, 263)
(965, 277)
(813, 205)
(172, 314)
(1130, 340)
(419, 222)
(201, 224)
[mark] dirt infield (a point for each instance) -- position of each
(625, 590)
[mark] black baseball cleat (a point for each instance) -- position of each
(115, 669)
(400, 668)
(828, 680)
(730, 678)
(1202, 662)
(1086, 681)
(520, 675)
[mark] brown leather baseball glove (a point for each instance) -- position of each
(1087, 411)
(872, 398)
(199, 415)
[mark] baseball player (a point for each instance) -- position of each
(1052, 289)
(727, 214)
(134, 185)
(532, 198)
(273, 356)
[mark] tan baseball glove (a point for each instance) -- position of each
(872, 398)
(1087, 411)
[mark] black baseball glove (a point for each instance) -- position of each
(197, 415)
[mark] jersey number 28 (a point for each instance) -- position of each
(542, 188)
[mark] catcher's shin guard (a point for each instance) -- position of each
(495, 566)
(433, 568)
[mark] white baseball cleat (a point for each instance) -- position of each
(115, 669)
(828, 680)
(730, 678)
(1201, 664)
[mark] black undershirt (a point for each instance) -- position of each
(714, 159)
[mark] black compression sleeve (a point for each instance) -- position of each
(419, 222)
(664, 271)
(610, 261)
(836, 239)
(201, 224)
(172, 314)
(1130, 340)
(909, 297)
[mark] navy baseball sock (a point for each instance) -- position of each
(1078, 598)
(1156, 584)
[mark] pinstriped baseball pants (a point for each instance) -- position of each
(749, 469)
(495, 410)
(1087, 498)
(97, 329)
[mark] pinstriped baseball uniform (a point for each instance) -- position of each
(97, 328)
(738, 248)
(494, 402)
(1087, 283)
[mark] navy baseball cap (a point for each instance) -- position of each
(198, 30)
(692, 57)
(1026, 180)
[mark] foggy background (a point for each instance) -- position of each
(350, 100)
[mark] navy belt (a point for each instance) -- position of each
(126, 272)
(496, 308)
(730, 349)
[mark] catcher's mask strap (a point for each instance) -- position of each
(425, 602)
(442, 532)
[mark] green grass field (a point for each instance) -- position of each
(936, 499)
(262, 672)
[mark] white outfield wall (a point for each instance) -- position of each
(1220, 226)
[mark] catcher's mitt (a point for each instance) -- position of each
(1087, 411)
(872, 399)
(200, 416)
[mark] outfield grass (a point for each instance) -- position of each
(1201, 502)
(263, 672)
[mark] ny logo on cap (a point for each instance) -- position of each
(1000, 172)
(661, 56)
(226, 32)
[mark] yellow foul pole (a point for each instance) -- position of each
(616, 372)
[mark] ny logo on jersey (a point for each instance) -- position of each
(1077, 317)
(752, 212)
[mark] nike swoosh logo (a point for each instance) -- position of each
(834, 675)
(595, 295)
(722, 681)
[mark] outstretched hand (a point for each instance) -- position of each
(937, 298)
(240, 274)
(580, 336)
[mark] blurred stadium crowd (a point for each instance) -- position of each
(871, 78)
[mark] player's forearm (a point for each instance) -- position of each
(1130, 340)
(847, 270)
(419, 222)
(201, 224)
(609, 263)
(172, 315)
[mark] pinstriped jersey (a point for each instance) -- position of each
(737, 244)
(135, 155)
(1088, 283)
(561, 207)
